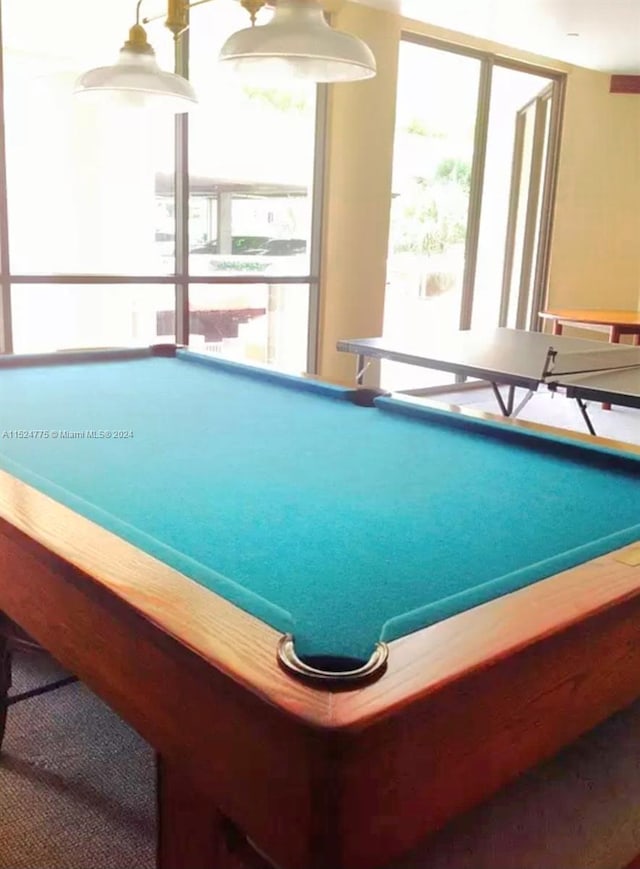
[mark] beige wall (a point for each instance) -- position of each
(358, 193)
(595, 256)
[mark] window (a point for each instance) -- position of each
(80, 179)
(91, 192)
(473, 163)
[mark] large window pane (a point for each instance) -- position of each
(49, 317)
(92, 190)
(265, 323)
(433, 154)
(501, 241)
(251, 161)
(81, 178)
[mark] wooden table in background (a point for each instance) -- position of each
(616, 323)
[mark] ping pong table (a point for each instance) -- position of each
(512, 358)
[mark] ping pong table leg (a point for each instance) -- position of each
(361, 367)
(507, 407)
(582, 404)
(527, 398)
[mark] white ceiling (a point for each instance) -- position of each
(608, 31)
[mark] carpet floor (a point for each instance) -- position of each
(77, 792)
(76, 784)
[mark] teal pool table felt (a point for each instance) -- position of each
(339, 523)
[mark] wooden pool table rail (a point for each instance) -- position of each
(347, 779)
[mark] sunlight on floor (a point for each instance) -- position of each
(619, 423)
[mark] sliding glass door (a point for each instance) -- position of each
(433, 156)
(474, 167)
(520, 299)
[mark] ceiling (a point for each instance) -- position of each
(598, 34)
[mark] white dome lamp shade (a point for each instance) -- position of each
(136, 81)
(298, 43)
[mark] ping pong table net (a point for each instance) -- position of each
(562, 366)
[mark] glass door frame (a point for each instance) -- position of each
(488, 62)
(528, 302)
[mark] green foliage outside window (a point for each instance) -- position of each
(431, 215)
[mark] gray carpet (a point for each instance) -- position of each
(77, 792)
(76, 784)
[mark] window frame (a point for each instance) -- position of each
(181, 279)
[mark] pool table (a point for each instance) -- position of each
(339, 618)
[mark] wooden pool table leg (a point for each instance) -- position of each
(190, 829)
(192, 834)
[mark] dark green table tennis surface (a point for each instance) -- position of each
(339, 523)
